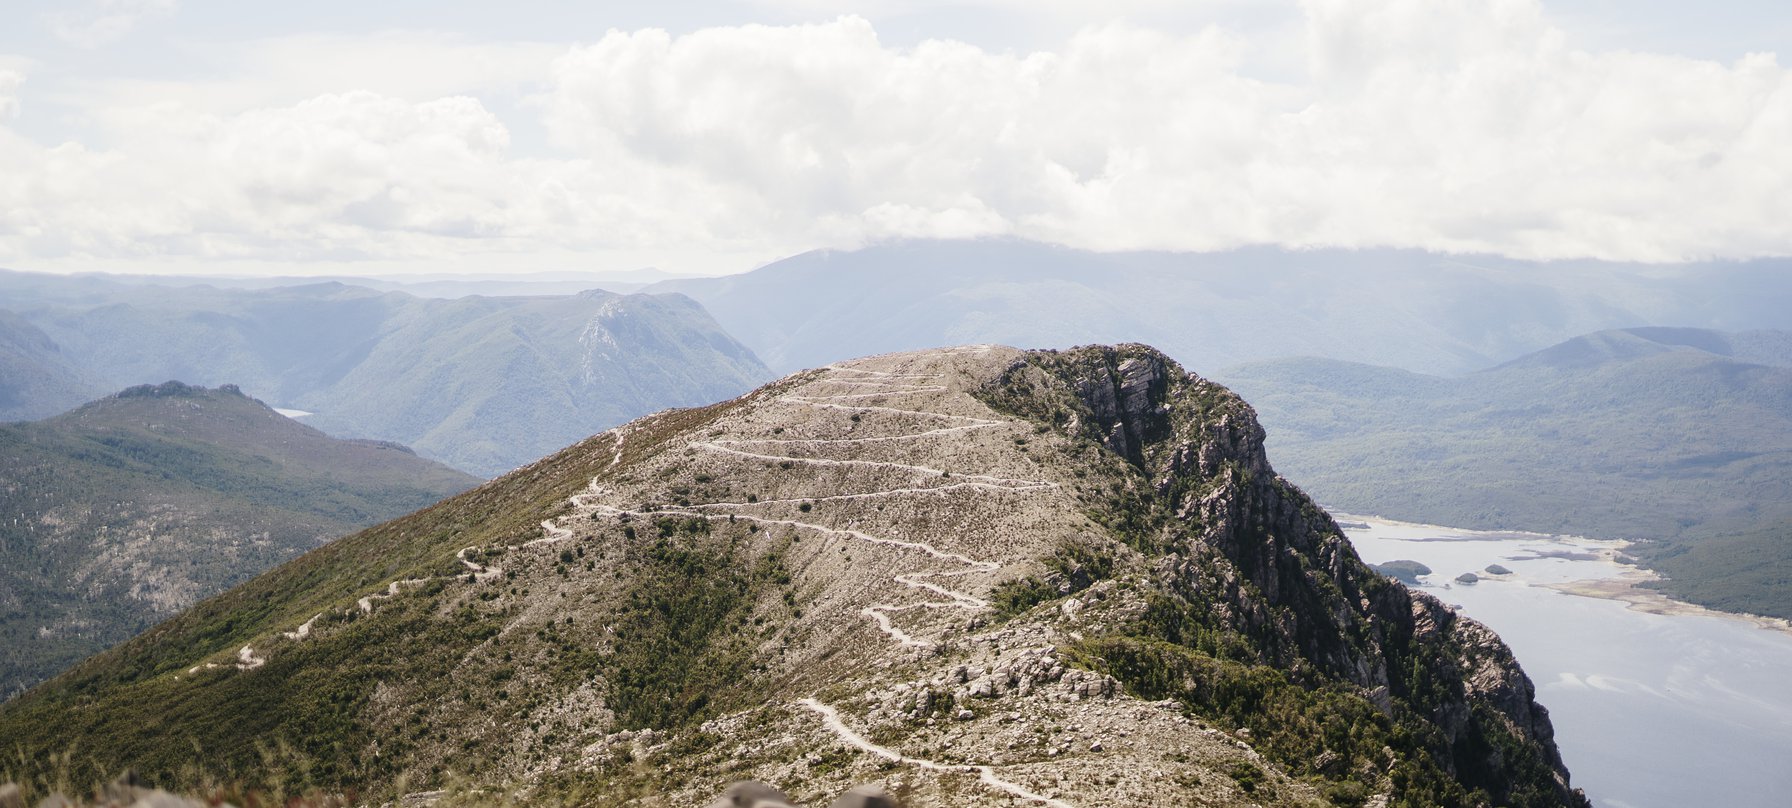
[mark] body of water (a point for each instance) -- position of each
(1650, 710)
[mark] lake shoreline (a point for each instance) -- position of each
(1656, 703)
(1626, 588)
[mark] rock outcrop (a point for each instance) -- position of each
(1281, 573)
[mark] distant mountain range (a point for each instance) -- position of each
(1418, 348)
(483, 383)
(124, 511)
(1414, 310)
(440, 285)
(36, 379)
(1672, 434)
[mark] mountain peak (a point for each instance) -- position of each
(177, 389)
(975, 574)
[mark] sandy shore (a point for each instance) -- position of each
(1564, 538)
(1626, 587)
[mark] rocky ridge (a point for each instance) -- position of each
(972, 576)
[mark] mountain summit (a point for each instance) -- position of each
(972, 576)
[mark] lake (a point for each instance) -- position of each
(1650, 710)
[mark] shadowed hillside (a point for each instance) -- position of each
(36, 379)
(127, 510)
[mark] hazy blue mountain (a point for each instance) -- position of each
(489, 383)
(124, 511)
(483, 383)
(442, 285)
(1402, 308)
(1643, 433)
(36, 379)
(1759, 347)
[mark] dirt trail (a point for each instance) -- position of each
(985, 774)
(880, 612)
(891, 385)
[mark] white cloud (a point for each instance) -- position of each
(1450, 124)
(1464, 125)
(824, 126)
(353, 173)
(102, 22)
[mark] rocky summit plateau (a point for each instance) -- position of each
(975, 576)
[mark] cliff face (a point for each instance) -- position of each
(971, 576)
(1242, 551)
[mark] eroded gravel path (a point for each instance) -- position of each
(884, 386)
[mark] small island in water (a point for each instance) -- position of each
(1403, 570)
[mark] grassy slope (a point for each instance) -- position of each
(131, 695)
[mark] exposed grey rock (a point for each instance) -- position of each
(1270, 563)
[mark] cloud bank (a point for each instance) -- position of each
(1454, 125)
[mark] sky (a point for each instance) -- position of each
(330, 137)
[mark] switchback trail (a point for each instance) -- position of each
(865, 386)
